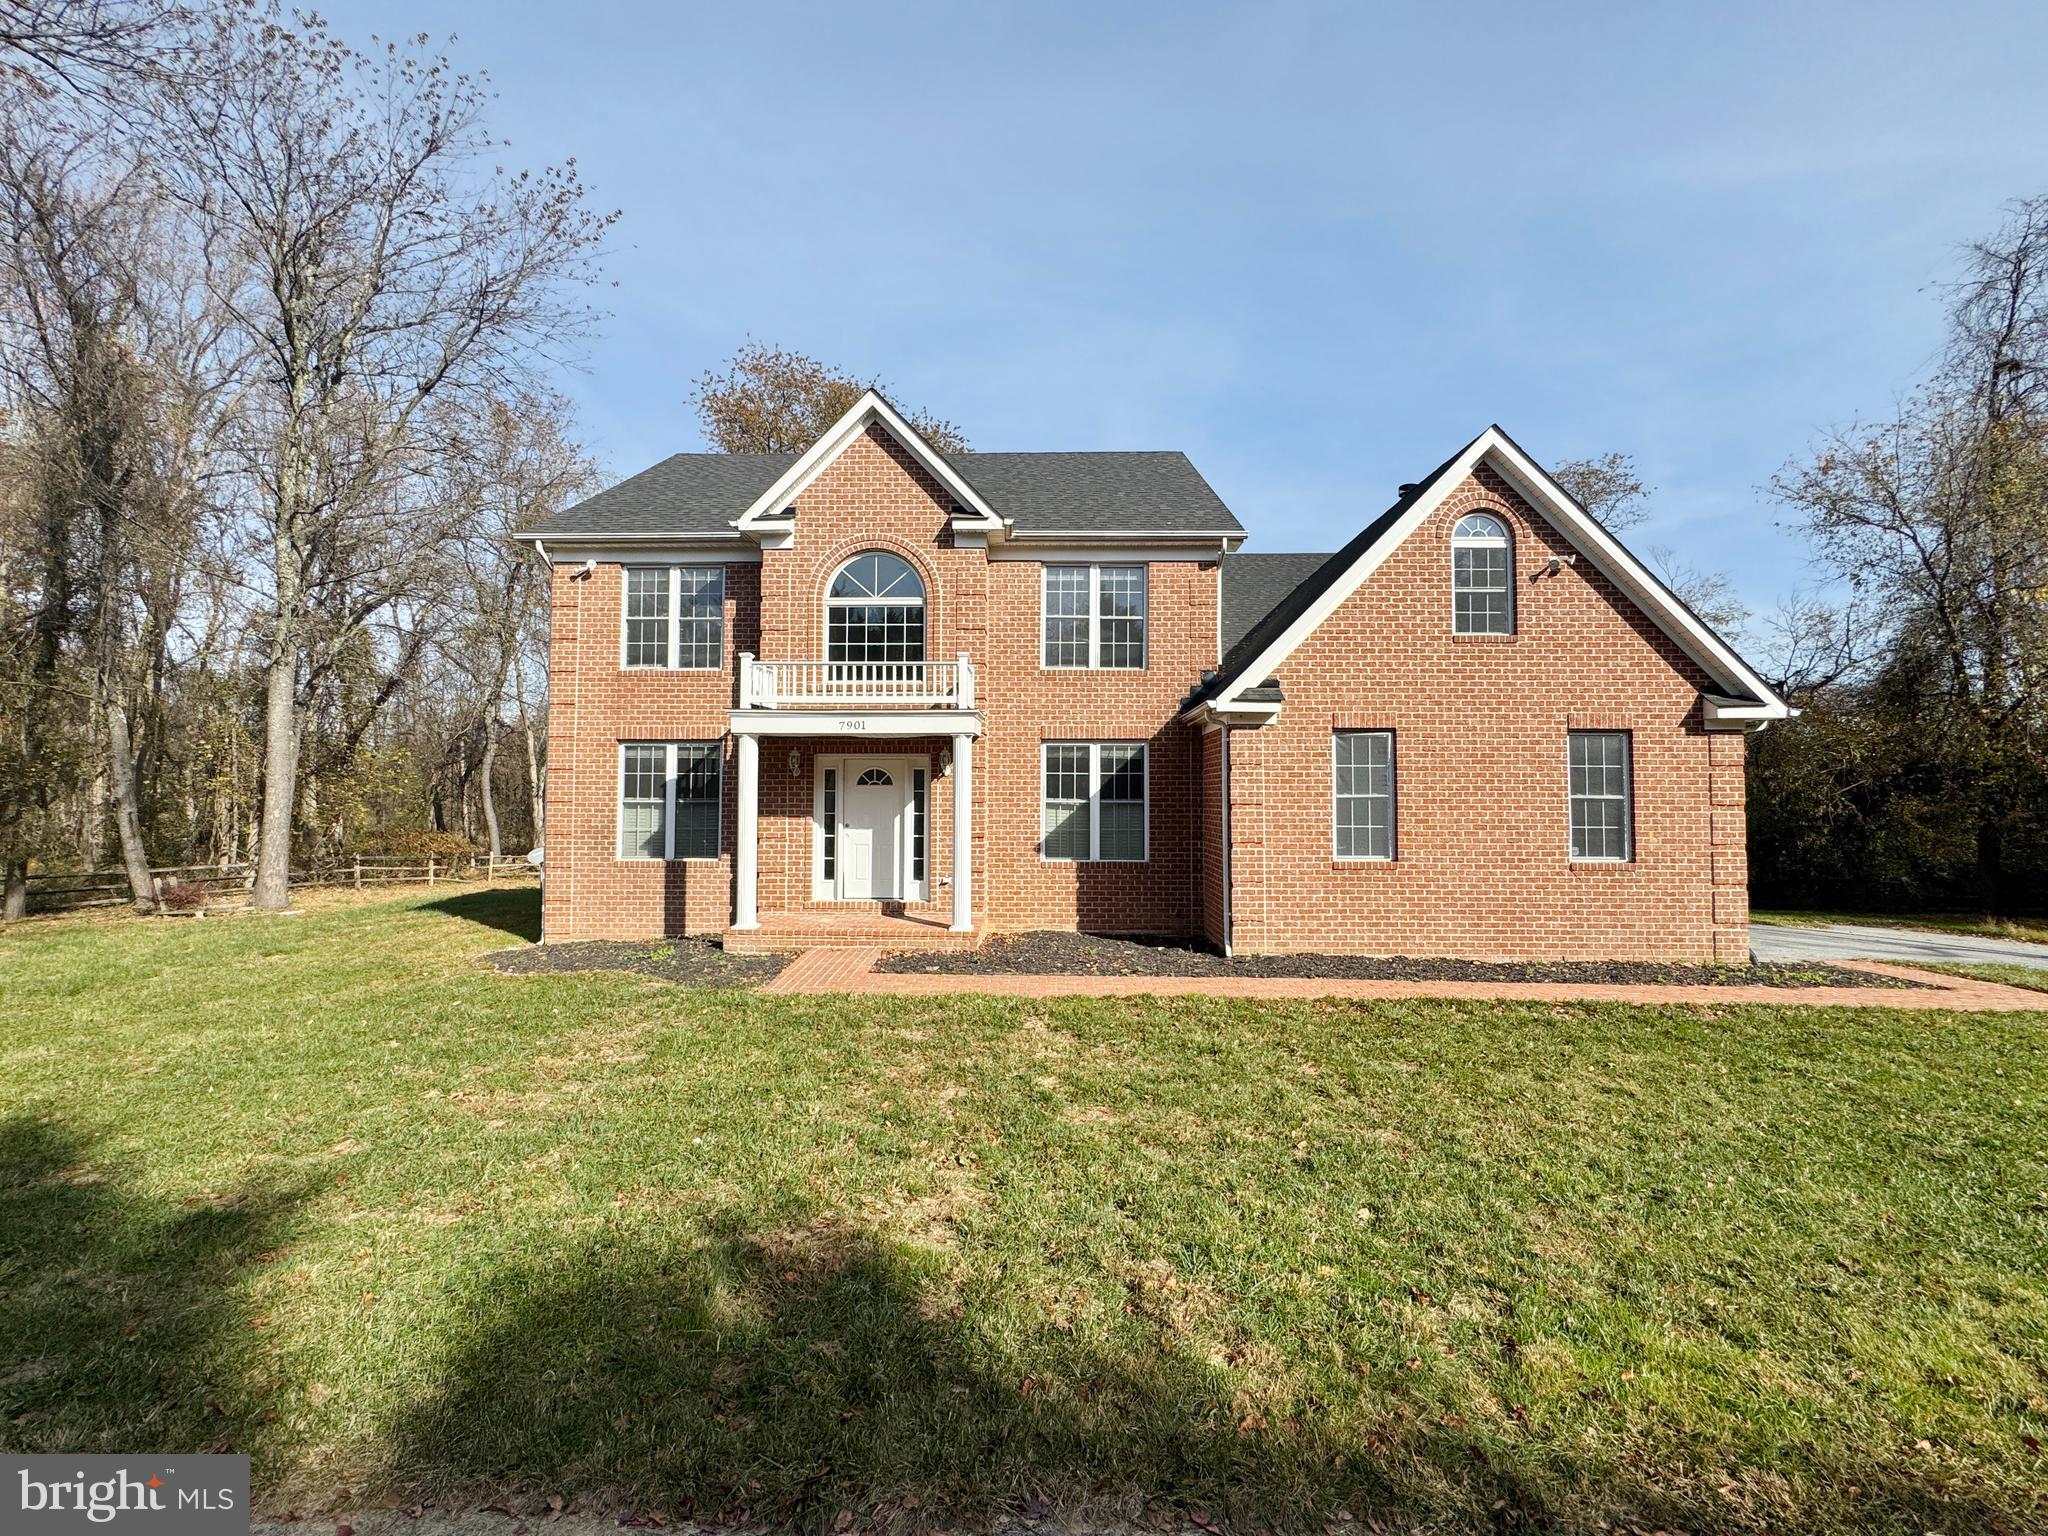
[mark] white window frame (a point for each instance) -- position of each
(673, 650)
(922, 603)
(1094, 663)
(669, 806)
(1393, 800)
(1505, 540)
(1095, 803)
(1628, 800)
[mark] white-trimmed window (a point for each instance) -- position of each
(669, 798)
(874, 611)
(675, 616)
(1363, 769)
(1602, 795)
(1482, 576)
(1093, 616)
(1092, 804)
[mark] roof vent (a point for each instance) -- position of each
(1407, 489)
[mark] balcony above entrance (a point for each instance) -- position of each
(863, 685)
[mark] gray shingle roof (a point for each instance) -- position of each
(1254, 585)
(696, 493)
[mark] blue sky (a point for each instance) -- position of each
(1317, 247)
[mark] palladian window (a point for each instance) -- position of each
(874, 611)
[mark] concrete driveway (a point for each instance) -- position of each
(1853, 941)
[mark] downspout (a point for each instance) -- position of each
(1224, 777)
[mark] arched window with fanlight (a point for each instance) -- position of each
(1482, 576)
(874, 611)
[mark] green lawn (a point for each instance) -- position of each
(321, 1188)
(2032, 978)
(2031, 929)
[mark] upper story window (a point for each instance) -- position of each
(874, 611)
(675, 616)
(1482, 577)
(1094, 616)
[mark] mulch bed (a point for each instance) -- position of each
(692, 962)
(1086, 954)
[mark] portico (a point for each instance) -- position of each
(877, 738)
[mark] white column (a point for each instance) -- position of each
(745, 854)
(963, 834)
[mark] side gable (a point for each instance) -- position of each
(764, 518)
(1748, 698)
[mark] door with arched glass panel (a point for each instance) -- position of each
(874, 626)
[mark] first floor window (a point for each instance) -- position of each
(675, 616)
(1093, 616)
(1601, 794)
(669, 796)
(1365, 794)
(919, 796)
(1092, 805)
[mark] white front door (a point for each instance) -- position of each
(871, 831)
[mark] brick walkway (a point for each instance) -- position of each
(852, 971)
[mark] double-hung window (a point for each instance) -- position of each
(1092, 802)
(675, 616)
(1602, 795)
(669, 796)
(1364, 793)
(1093, 616)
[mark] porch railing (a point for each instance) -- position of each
(869, 684)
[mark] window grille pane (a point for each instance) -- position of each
(1364, 794)
(1066, 616)
(697, 800)
(1597, 769)
(1123, 616)
(858, 633)
(917, 814)
(1064, 816)
(647, 616)
(1121, 817)
(831, 823)
(701, 624)
(643, 802)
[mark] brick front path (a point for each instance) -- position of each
(852, 971)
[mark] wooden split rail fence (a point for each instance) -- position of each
(69, 892)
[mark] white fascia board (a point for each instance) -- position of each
(1106, 554)
(1723, 714)
(855, 725)
(666, 550)
(1215, 714)
(812, 462)
(1207, 538)
(1580, 531)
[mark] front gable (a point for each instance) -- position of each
(1732, 692)
(768, 518)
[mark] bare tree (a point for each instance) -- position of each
(1608, 487)
(89, 48)
(376, 264)
(767, 400)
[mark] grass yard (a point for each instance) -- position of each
(325, 1189)
(2032, 930)
(2031, 978)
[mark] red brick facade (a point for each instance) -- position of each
(1481, 867)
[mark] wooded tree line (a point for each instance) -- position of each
(275, 330)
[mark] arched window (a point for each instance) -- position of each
(1482, 576)
(874, 778)
(874, 611)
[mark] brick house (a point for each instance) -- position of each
(877, 693)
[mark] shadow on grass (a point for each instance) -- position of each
(119, 1324)
(783, 1377)
(515, 911)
